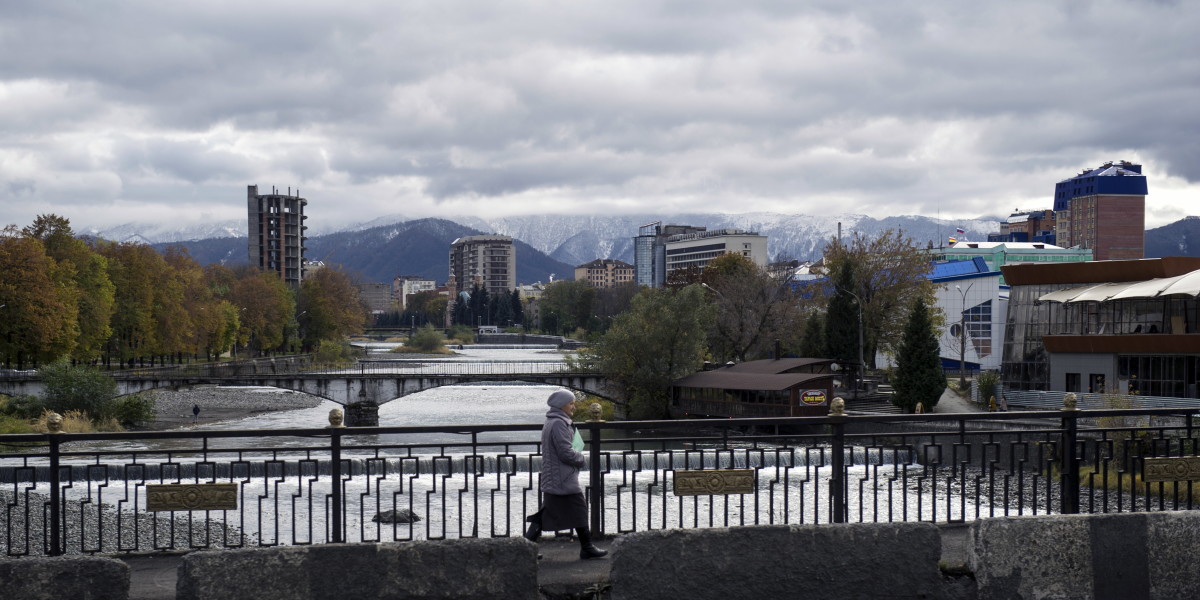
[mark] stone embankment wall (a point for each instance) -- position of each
(1140, 555)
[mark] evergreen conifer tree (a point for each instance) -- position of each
(813, 344)
(841, 319)
(919, 376)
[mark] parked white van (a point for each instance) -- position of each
(488, 329)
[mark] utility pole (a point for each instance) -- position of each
(962, 337)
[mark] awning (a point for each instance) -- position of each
(1063, 295)
(1186, 284)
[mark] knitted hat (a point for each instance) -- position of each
(560, 399)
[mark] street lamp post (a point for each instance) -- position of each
(962, 336)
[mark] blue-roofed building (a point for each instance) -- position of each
(970, 295)
(998, 254)
(1103, 209)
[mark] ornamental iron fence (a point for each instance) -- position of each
(195, 489)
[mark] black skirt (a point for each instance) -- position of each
(563, 512)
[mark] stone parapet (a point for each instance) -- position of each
(466, 568)
(813, 561)
(64, 578)
(1132, 555)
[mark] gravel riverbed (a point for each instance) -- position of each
(173, 408)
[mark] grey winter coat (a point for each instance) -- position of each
(560, 462)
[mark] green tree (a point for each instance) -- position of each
(134, 270)
(889, 272)
(329, 307)
(96, 292)
(566, 305)
(264, 305)
(812, 345)
(919, 376)
(842, 318)
(39, 320)
(660, 339)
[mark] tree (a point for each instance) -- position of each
(919, 376)
(754, 310)
(566, 305)
(889, 272)
(842, 318)
(77, 388)
(39, 320)
(134, 270)
(660, 339)
(329, 307)
(264, 305)
(812, 345)
(90, 278)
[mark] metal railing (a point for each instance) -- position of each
(87, 493)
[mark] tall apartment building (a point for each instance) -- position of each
(650, 251)
(605, 273)
(699, 248)
(1103, 209)
(276, 228)
(489, 261)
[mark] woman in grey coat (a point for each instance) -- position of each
(563, 504)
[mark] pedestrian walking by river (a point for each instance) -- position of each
(563, 504)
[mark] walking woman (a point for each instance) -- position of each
(563, 504)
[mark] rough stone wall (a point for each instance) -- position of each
(468, 569)
(64, 578)
(816, 561)
(1132, 555)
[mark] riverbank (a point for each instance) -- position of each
(174, 409)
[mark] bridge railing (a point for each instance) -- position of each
(93, 493)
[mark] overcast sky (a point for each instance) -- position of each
(117, 112)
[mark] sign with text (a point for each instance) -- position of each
(191, 496)
(814, 398)
(1179, 468)
(714, 482)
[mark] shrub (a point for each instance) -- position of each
(77, 388)
(22, 407)
(333, 354)
(426, 339)
(74, 421)
(987, 381)
(132, 410)
(462, 334)
(13, 424)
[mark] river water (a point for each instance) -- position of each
(460, 491)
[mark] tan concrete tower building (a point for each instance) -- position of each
(276, 227)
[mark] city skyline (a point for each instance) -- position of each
(143, 111)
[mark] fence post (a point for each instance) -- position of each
(837, 478)
(336, 418)
(56, 532)
(595, 483)
(1069, 480)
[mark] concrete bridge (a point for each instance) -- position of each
(369, 384)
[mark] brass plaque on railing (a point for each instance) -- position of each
(191, 496)
(713, 482)
(1179, 468)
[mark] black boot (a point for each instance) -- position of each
(535, 529)
(586, 548)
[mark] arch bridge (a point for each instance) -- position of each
(371, 382)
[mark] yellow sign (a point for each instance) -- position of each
(813, 398)
(713, 482)
(191, 496)
(1180, 468)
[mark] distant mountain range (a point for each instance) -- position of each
(552, 245)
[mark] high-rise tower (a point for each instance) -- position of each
(1103, 209)
(276, 227)
(489, 261)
